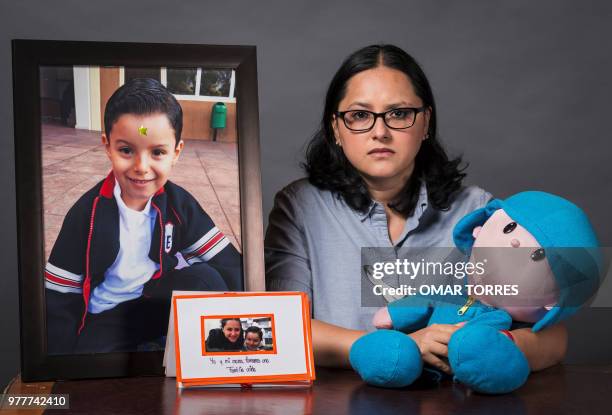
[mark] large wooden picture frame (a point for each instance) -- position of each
(29, 56)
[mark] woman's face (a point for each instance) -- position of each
(382, 156)
(231, 330)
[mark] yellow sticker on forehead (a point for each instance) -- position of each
(142, 130)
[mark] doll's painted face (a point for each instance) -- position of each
(513, 256)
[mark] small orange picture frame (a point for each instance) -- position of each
(302, 378)
(216, 318)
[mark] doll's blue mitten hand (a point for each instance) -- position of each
(386, 358)
(486, 360)
(410, 313)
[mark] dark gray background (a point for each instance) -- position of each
(523, 91)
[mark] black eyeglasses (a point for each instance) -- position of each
(363, 120)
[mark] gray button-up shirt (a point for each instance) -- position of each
(314, 240)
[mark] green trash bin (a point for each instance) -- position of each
(218, 118)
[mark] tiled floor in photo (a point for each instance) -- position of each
(74, 161)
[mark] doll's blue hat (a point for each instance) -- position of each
(565, 233)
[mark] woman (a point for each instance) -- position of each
(228, 337)
(377, 177)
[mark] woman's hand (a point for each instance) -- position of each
(433, 344)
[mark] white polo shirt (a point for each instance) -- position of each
(124, 280)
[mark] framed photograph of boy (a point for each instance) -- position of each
(137, 173)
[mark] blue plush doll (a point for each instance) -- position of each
(542, 244)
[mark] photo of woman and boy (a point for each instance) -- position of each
(233, 334)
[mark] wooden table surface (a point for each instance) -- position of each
(563, 389)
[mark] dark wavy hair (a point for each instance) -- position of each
(329, 169)
(143, 96)
(225, 320)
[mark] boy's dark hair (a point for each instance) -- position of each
(143, 96)
(254, 329)
(329, 169)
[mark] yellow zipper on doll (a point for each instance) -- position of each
(467, 305)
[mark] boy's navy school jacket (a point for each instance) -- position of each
(88, 244)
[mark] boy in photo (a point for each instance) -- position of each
(252, 339)
(112, 269)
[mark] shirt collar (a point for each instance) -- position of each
(419, 209)
(117, 193)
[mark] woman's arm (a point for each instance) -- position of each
(544, 348)
(286, 255)
(332, 344)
